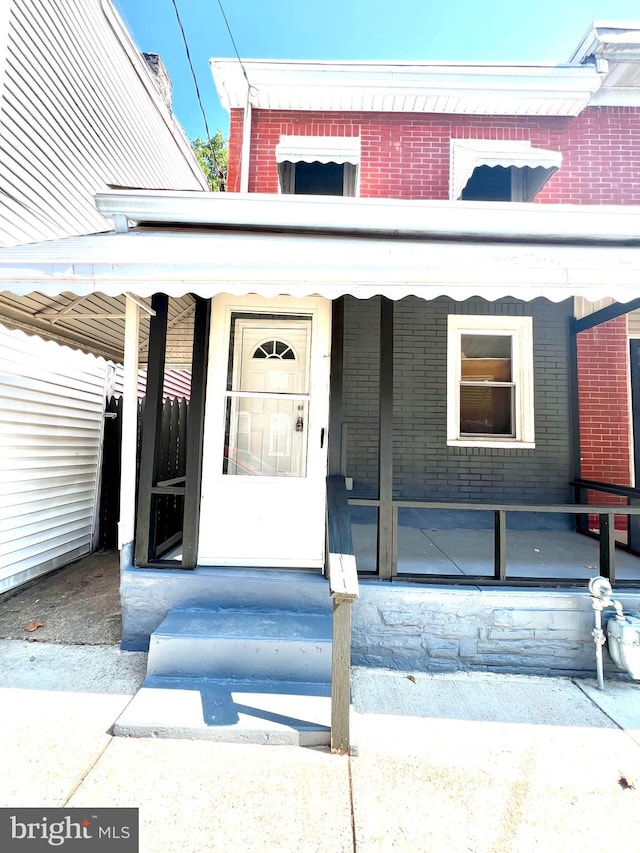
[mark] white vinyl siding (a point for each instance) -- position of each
(51, 426)
(79, 112)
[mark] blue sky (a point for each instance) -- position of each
(464, 30)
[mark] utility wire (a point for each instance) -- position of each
(195, 83)
(233, 42)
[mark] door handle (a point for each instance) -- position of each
(322, 437)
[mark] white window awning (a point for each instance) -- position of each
(468, 154)
(318, 149)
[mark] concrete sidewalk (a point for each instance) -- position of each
(454, 762)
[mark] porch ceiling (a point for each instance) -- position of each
(95, 323)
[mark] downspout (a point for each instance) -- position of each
(126, 523)
(245, 154)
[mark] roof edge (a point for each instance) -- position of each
(445, 87)
(607, 40)
(392, 217)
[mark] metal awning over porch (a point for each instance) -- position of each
(207, 262)
(73, 290)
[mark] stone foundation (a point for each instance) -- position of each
(432, 628)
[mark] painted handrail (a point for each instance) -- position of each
(342, 574)
(341, 562)
(607, 488)
(605, 512)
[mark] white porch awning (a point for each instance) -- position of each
(469, 154)
(207, 262)
(305, 245)
(318, 149)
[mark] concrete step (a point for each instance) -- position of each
(148, 594)
(242, 644)
(230, 710)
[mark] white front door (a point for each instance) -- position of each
(265, 447)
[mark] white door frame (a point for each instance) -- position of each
(238, 522)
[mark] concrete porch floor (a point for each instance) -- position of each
(80, 604)
(530, 553)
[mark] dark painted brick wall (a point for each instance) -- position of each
(360, 390)
(424, 467)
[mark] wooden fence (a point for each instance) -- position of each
(173, 453)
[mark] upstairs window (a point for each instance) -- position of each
(491, 183)
(497, 170)
(318, 165)
(490, 381)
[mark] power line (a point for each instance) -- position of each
(233, 42)
(195, 83)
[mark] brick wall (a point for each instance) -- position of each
(406, 155)
(235, 151)
(603, 383)
(360, 389)
(424, 466)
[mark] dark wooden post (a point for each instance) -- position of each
(581, 522)
(499, 544)
(385, 448)
(633, 521)
(607, 546)
(336, 451)
(151, 427)
(195, 433)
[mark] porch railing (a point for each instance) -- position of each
(342, 574)
(627, 493)
(606, 515)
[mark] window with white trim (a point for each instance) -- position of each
(490, 381)
(499, 170)
(318, 165)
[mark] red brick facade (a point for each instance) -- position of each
(604, 413)
(406, 155)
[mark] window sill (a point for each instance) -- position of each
(500, 444)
